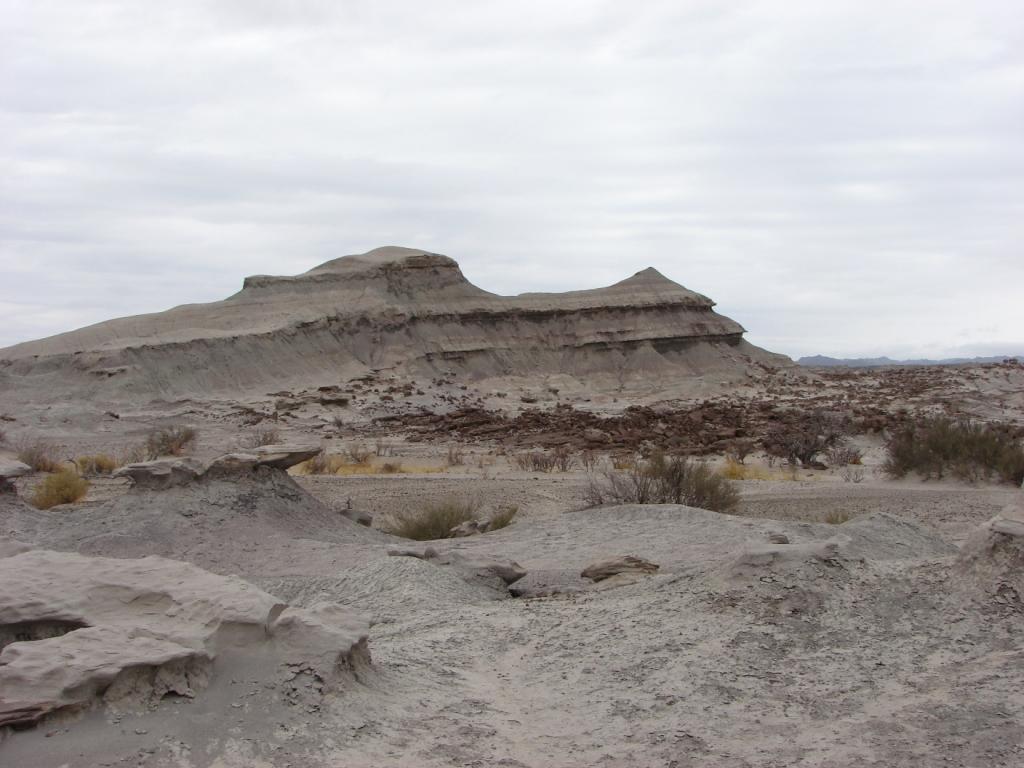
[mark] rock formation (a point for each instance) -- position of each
(991, 562)
(398, 308)
(186, 509)
(605, 569)
(78, 630)
(9, 471)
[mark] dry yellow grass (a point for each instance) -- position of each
(335, 464)
(733, 470)
(622, 463)
(96, 464)
(62, 487)
(434, 520)
(39, 454)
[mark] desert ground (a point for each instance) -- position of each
(243, 599)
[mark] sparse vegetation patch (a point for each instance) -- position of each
(64, 487)
(664, 480)
(170, 441)
(938, 446)
(804, 436)
(434, 520)
(38, 454)
(261, 437)
(734, 470)
(456, 456)
(96, 464)
(560, 459)
(358, 453)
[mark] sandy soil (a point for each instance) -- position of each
(860, 643)
(877, 655)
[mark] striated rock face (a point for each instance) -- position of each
(162, 474)
(398, 308)
(77, 630)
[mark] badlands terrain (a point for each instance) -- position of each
(243, 603)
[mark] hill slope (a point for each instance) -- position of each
(400, 309)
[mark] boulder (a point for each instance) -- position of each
(486, 566)
(168, 473)
(604, 569)
(497, 569)
(9, 470)
(285, 455)
(427, 553)
(161, 474)
(468, 528)
(231, 465)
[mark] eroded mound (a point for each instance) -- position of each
(79, 631)
(402, 309)
(242, 513)
(991, 562)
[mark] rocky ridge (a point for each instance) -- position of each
(401, 309)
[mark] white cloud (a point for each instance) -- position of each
(841, 177)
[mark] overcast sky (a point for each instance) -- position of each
(841, 177)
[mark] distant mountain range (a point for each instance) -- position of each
(821, 361)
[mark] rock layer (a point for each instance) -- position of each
(398, 308)
(75, 630)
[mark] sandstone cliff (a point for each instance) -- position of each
(400, 309)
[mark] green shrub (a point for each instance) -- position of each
(664, 480)
(62, 487)
(169, 441)
(936, 446)
(435, 520)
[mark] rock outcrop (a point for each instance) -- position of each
(161, 474)
(9, 471)
(605, 569)
(77, 630)
(407, 310)
(991, 562)
(498, 570)
(185, 509)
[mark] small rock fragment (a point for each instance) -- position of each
(603, 569)
(468, 528)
